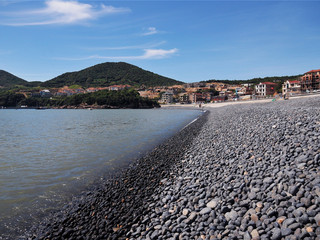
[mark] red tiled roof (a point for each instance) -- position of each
(312, 71)
(294, 81)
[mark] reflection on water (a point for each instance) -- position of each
(45, 154)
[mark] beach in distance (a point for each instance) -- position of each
(227, 103)
(242, 171)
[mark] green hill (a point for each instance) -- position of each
(110, 73)
(9, 80)
(257, 80)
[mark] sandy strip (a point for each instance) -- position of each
(222, 104)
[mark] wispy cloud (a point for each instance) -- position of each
(61, 12)
(148, 54)
(142, 46)
(151, 31)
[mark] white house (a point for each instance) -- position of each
(265, 88)
(291, 87)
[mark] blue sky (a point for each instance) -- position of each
(186, 40)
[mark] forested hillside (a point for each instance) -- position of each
(110, 73)
(8, 79)
(257, 80)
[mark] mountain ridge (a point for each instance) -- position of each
(99, 75)
(7, 79)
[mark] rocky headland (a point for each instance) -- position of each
(248, 171)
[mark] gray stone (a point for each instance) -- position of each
(306, 202)
(317, 219)
(288, 222)
(205, 211)
(304, 219)
(232, 215)
(285, 232)
(154, 235)
(297, 213)
(255, 234)
(293, 189)
(213, 203)
(268, 180)
(185, 211)
(157, 227)
(247, 236)
(191, 217)
(252, 195)
(276, 234)
(294, 226)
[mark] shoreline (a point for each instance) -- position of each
(121, 195)
(247, 171)
(228, 103)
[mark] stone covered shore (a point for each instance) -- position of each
(249, 171)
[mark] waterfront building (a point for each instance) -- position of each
(291, 87)
(200, 97)
(310, 80)
(183, 98)
(167, 97)
(247, 90)
(265, 88)
(196, 97)
(45, 93)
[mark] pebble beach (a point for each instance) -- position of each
(244, 171)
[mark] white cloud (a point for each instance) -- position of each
(143, 46)
(158, 53)
(63, 12)
(148, 54)
(151, 31)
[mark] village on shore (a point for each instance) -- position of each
(213, 92)
(206, 92)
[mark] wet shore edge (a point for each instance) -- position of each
(111, 207)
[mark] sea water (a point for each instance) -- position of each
(47, 156)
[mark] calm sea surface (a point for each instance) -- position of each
(46, 156)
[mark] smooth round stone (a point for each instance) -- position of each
(252, 195)
(212, 204)
(232, 215)
(205, 211)
(185, 211)
(276, 234)
(285, 232)
(255, 234)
